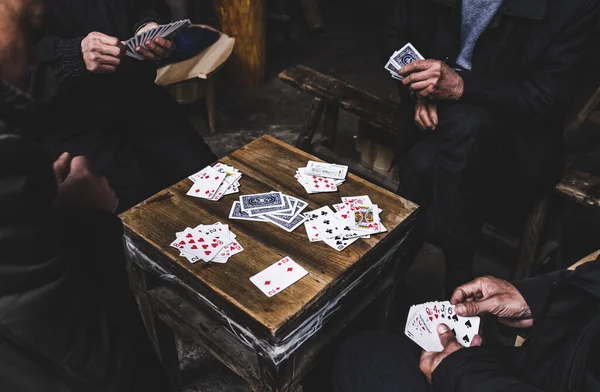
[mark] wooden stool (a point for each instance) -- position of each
(192, 79)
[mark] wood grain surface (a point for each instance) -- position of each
(267, 165)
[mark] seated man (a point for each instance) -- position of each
(68, 321)
(490, 104)
(102, 104)
(561, 355)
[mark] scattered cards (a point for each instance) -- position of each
(212, 183)
(402, 57)
(282, 210)
(278, 277)
(318, 177)
(167, 31)
(354, 218)
(209, 243)
(423, 320)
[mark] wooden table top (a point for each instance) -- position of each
(267, 165)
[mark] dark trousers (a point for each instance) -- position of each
(377, 362)
(149, 151)
(452, 172)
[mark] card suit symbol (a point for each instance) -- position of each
(289, 269)
(323, 213)
(207, 252)
(200, 239)
(189, 235)
(194, 247)
(466, 339)
(347, 228)
(182, 242)
(327, 222)
(455, 318)
(191, 242)
(204, 246)
(436, 316)
(339, 243)
(345, 216)
(278, 263)
(267, 282)
(430, 318)
(197, 190)
(214, 245)
(329, 231)
(216, 178)
(468, 324)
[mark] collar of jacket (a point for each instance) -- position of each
(531, 9)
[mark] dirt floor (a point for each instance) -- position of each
(347, 50)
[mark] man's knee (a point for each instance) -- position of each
(462, 120)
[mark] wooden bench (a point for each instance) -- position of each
(331, 95)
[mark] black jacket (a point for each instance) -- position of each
(72, 99)
(525, 66)
(68, 322)
(562, 354)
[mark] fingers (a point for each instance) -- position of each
(80, 164)
(149, 55)
(447, 337)
(477, 341)
(432, 111)
(165, 43)
(517, 323)
(156, 50)
(418, 121)
(112, 51)
(465, 291)
(418, 77)
(425, 119)
(415, 66)
(423, 115)
(62, 166)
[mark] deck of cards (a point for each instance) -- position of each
(278, 277)
(282, 210)
(318, 177)
(214, 182)
(423, 320)
(209, 243)
(402, 57)
(167, 31)
(356, 217)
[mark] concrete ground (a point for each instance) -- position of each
(347, 50)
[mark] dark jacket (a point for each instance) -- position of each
(68, 322)
(74, 100)
(562, 354)
(525, 68)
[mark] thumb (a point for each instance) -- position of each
(62, 166)
(473, 308)
(446, 335)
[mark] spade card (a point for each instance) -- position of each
(339, 243)
(278, 277)
(324, 220)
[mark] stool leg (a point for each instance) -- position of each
(211, 105)
(314, 116)
(530, 243)
(330, 123)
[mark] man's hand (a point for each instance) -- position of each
(158, 49)
(432, 79)
(102, 53)
(61, 167)
(426, 114)
(84, 188)
(495, 296)
(430, 361)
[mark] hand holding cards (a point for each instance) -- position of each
(423, 320)
(402, 57)
(167, 31)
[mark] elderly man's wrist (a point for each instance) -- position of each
(459, 90)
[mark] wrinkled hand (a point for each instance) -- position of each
(426, 114)
(430, 361)
(432, 79)
(495, 296)
(84, 188)
(158, 49)
(102, 53)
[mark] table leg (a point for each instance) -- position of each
(138, 281)
(314, 117)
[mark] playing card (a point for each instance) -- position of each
(324, 220)
(261, 200)
(278, 276)
(364, 217)
(193, 242)
(320, 184)
(405, 56)
(237, 213)
(345, 224)
(299, 206)
(339, 243)
(207, 183)
(287, 226)
(312, 232)
(328, 170)
(286, 208)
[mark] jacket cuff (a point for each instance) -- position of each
(473, 90)
(71, 65)
(536, 290)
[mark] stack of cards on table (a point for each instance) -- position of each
(282, 210)
(278, 277)
(209, 243)
(402, 57)
(212, 183)
(318, 177)
(163, 31)
(356, 217)
(423, 320)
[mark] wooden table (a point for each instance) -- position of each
(270, 342)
